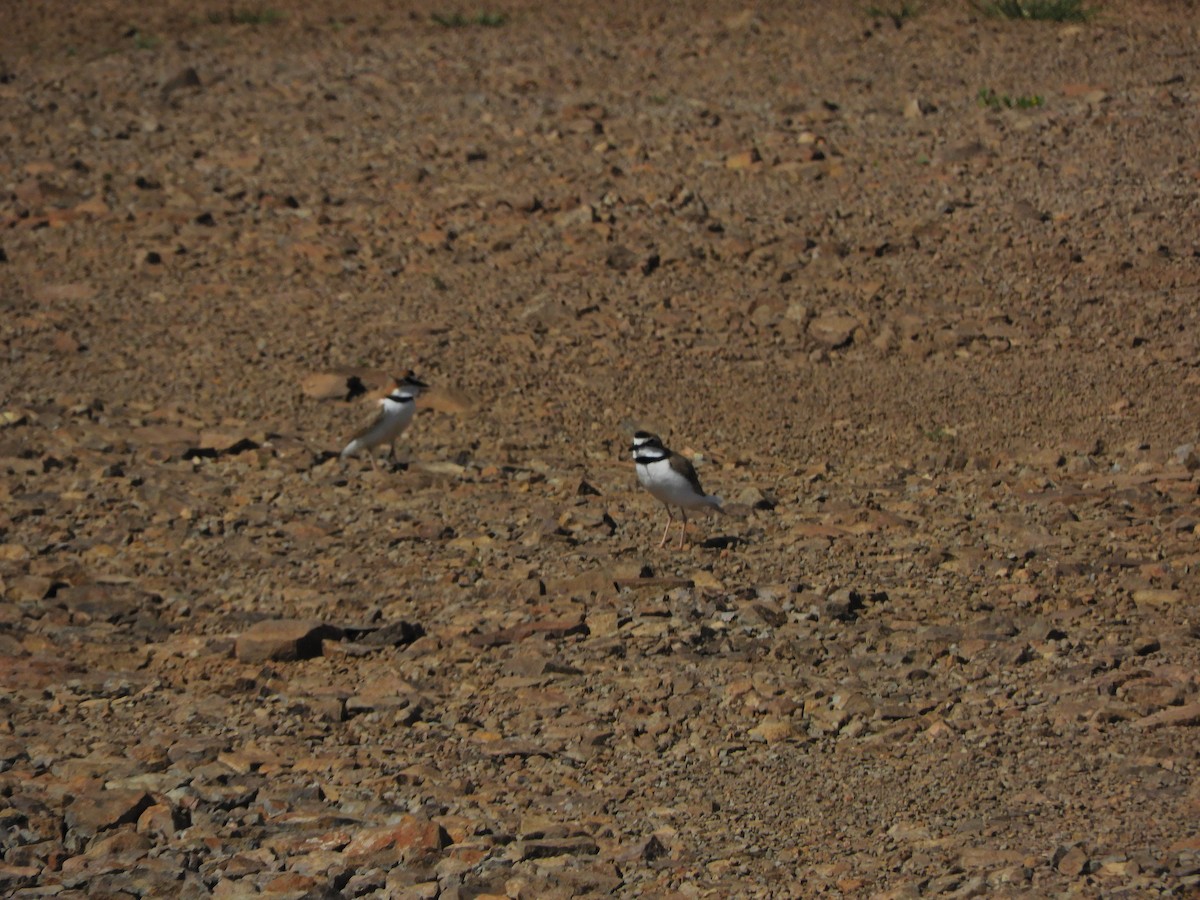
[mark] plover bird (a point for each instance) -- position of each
(399, 407)
(671, 478)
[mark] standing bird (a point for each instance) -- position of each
(671, 478)
(399, 407)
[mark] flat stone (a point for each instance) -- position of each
(1155, 598)
(1074, 862)
(550, 628)
(325, 386)
(833, 330)
(773, 730)
(411, 838)
(226, 440)
(13, 877)
(165, 434)
(246, 759)
(654, 582)
(602, 622)
(158, 819)
(393, 634)
(98, 810)
(1187, 715)
(13, 552)
(284, 639)
(292, 884)
(743, 160)
(546, 847)
(29, 588)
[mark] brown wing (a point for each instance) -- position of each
(375, 421)
(683, 466)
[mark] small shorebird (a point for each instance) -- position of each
(399, 407)
(671, 478)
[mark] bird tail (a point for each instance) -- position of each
(350, 449)
(715, 502)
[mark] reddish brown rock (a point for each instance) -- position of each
(1073, 862)
(411, 838)
(1187, 715)
(165, 434)
(325, 386)
(13, 877)
(98, 810)
(158, 819)
(833, 330)
(284, 639)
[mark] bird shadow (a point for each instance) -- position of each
(723, 542)
(324, 457)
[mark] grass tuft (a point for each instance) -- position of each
(260, 16)
(1040, 10)
(898, 13)
(458, 20)
(940, 434)
(989, 98)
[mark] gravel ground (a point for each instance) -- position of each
(919, 300)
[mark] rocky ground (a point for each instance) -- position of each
(935, 342)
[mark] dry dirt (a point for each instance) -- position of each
(942, 359)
